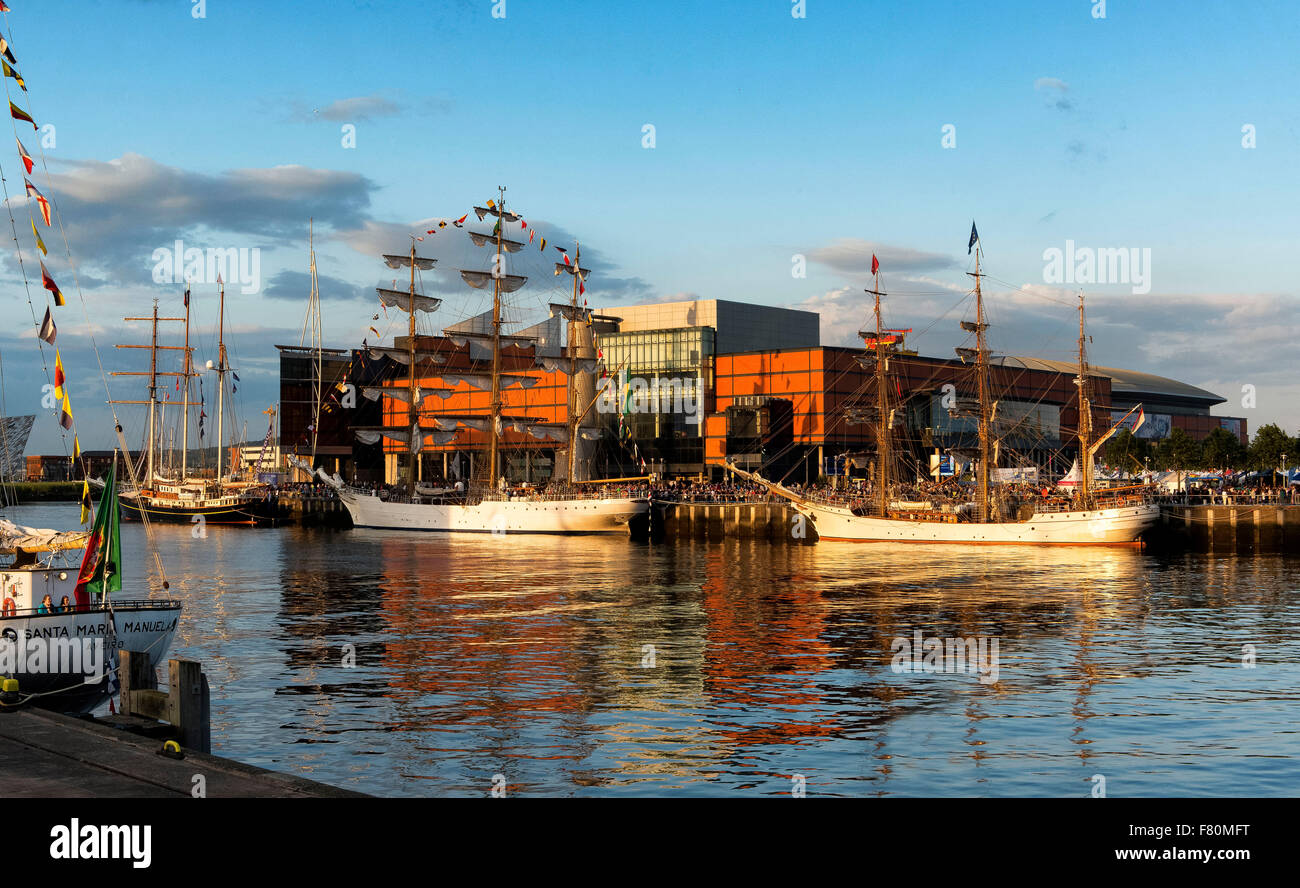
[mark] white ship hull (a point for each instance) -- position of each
(1097, 527)
(568, 516)
(61, 678)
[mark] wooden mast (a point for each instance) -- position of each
(982, 380)
(1084, 495)
(185, 410)
(313, 318)
(412, 413)
(574, 333)
(153, 391)
(498, 271)
(883, 424)
(221, 380)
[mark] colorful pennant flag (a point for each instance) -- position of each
(40, 243)
(59, 378)
(65, 418)
(23, 153)
(85, 500)
(19, 114)
(44, 204)
(532, 234)
(461, 221)
(542, 245)
(76, 448)
(875, 264)
(10, 72)
(48, 283)
(48, 329)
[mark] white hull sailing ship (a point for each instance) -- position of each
(1091, 519)
(488, 505)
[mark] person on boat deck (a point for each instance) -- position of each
(47, 606)
(65, 606)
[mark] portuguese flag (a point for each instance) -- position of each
(101, 565)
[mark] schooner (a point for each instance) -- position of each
(488, 504)
(181, 497)
(1090, 519)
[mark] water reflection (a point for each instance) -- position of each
(599, 666)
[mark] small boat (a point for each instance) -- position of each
(64, 656)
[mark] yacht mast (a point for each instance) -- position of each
(313, 319)
(574, 333)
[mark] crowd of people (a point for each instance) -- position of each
(859, 495)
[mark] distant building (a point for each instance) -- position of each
(709, 381)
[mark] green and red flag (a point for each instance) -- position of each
(101, 572)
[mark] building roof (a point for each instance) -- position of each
(1124, 384)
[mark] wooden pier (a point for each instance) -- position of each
(774, 521)
(1242, 528)
(46, 755)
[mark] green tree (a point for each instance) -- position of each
(1221, 449)
(1269, 444)
(1179, 452)
(1126, 452)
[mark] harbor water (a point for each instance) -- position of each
(406, 664)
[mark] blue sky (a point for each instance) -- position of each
(775, 136)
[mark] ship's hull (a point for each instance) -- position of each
(1096, 527)
(249, 513)
(570, 516)
(38, 650)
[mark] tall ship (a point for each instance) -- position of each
(1090, 517)
(173, 493)
(488, 504)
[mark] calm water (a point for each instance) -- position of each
(523, 656)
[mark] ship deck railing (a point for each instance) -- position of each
(126, 604)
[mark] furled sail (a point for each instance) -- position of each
(403, 356)
(480, 279)
(571, 269)
(398, 299)
(405, 262)
(551, 365)
(367, 437)
(483, 211)
(483, 239)
(554, 433)
(403, 394)
(484, 383)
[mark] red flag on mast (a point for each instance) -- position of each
(875, 264)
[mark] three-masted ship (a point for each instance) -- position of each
(1092, 518)
(174, 494)
(488, 504)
